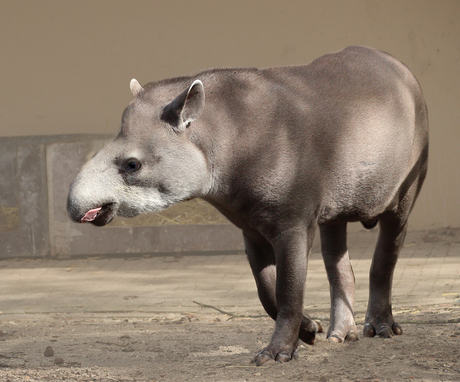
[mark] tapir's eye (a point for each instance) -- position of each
(132, 165)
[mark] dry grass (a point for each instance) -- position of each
(9, 218)
(196, 211)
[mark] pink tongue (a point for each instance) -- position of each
(90, 215)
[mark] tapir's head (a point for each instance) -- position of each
(151, 164)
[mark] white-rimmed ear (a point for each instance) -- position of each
(186, 107)
(194, 102)
(135, 87)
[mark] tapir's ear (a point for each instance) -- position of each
(186, 107)
(135, 87)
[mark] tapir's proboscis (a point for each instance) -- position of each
(279, 152)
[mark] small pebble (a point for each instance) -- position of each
(49, 352)
(58, 361)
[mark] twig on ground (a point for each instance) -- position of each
(229, 313)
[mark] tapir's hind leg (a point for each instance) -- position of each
(341, 280)
(379, 316)
(262, 260)
(392, 232)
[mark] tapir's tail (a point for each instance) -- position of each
(369, 224)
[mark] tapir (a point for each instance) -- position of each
(280, 152)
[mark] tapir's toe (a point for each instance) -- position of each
(336, 337)
(262, 357)
(368, 330)
(384, 330)
(397, 329)
(270, 353)
(308, 330)
(351, 337)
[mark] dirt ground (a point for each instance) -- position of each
(218, 347)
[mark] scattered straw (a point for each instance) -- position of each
(195, 211)
(9, 218)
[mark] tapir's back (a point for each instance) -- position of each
(358, 90)
(351, 125)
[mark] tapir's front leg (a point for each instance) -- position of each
(290, 248)
(261, 257)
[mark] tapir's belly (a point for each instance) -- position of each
(358, 196)
(361, 188)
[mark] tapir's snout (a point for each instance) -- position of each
(90, 199)
(100, 216)
(82, 211)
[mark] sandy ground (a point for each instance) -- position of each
(217, 347)
(137, 320)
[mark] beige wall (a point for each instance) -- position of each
(65, 65)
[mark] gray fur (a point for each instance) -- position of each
(279, 151)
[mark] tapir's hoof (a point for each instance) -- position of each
(267, 354)
(335, 339)
(351, 336)
(308, 332)
(382, 330)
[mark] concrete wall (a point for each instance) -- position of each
(24, 229)
(66, 65)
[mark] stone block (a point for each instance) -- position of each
(24, 229)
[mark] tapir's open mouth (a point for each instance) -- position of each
(90, 215)
(100, 216)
